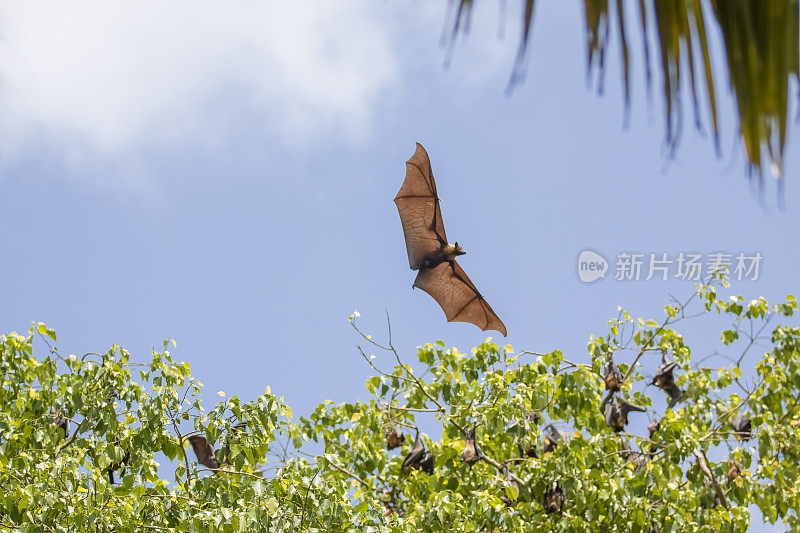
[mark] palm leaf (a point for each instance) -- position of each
(761, 48)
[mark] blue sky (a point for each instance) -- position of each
(225, 177)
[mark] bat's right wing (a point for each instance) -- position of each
(418, 205)
(460, 300)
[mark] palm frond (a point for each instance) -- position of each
(762, 51)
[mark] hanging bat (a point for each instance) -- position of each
(641, 463)
(120, 465)
(507, 482)
(734, 470)
(616, 413)
(654, 426)
(613, 376)
(665, 380)
(554, 499)
(428, 462)
(472, 453)
(205, 453)
(60, 421)
(430, 253)
(391, 505)
(418, 457)
(203, 450)
(394, 436)
(551, 438)
(741, 425)
(530, 451)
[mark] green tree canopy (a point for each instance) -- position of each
(543, 457)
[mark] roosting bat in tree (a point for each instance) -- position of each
(734, 469)
(120, 465)
(205, 453)
(60, 421)
(394, 436)
(203, 450)
(554, 499)
(551, 438)
(613, 377)
(429, 252)
(472, 453)
(419, 458)
(616, 413)
(654, 426)
(742, 425)
(665, 380)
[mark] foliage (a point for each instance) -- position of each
(761, 47)
(331, 471)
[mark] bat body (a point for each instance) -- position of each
(554, 499)
(734, 469)
(117, 466)
(205, 453)
(508, 482)
(60, 421)
(203, 450)
(551, 438)
(742, 425)
(472, 453)
(419, 458)
(394, 436)
(616, 413)
(528, 451)
(654, 426)
(613, 376)
(427, 463)
(627, 452)
(665, 380)
(430, 253)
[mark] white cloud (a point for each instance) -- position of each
(102, 77)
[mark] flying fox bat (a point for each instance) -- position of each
(60, 421)
(525, 449)
(742, 425)
(394, 436)
(120, 465)
(419, 458)
(613, 376)
(654, 426)
(665, 381)
(616, 413)
(507, 482)
(431, 254)
(734, 469)
(551, 438)
(205, 453)
(554, 499)
(472, 453)
(203, 450)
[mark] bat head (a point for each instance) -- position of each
(458, 249)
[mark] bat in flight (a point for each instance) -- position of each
(430, 253)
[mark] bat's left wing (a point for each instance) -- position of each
(460, 300)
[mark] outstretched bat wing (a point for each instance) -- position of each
(418, 205)
(452, 289)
